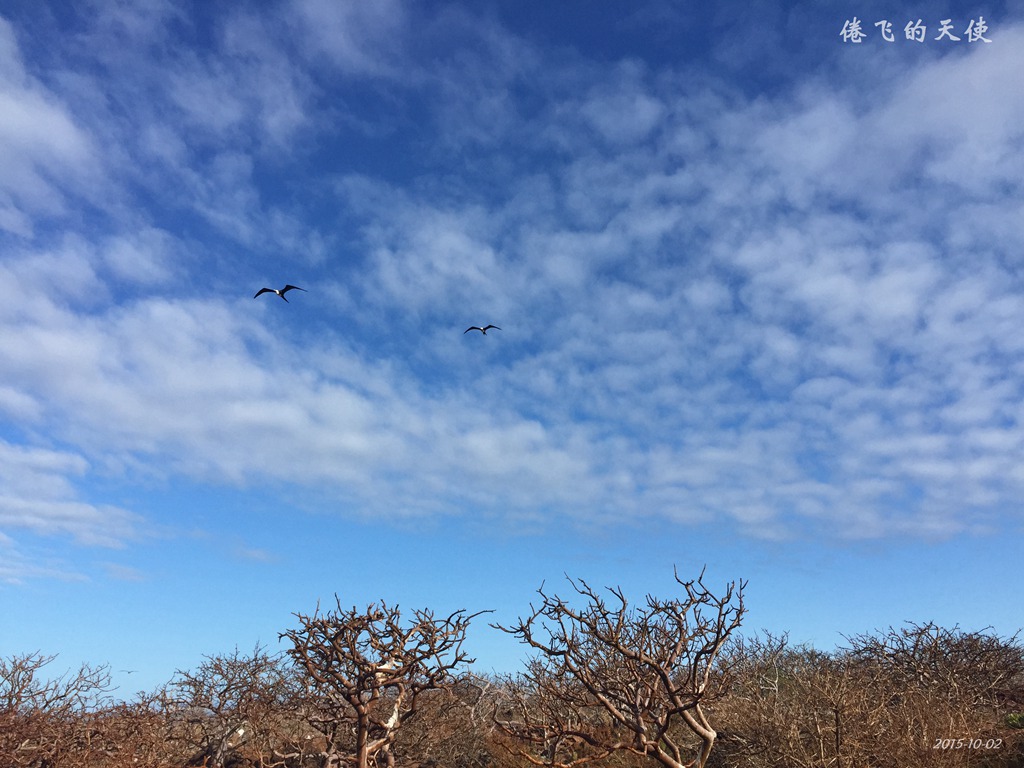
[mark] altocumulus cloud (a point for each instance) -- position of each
(788, 314)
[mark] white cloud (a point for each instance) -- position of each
(193, 387)
(248, 89)
(147, 257)
(43, 152)
(139, 23)
(39, 496)
(18, 567)
(19, 406)
(724, 309)
(966, 112)
(359, 38)
(199, 121)
(883, 324)
(622, 111)
(210, 100)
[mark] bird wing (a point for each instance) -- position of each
(289, 287)
(263, 290)
(472, 328)
(492, 326)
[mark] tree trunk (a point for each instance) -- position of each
(362, 741)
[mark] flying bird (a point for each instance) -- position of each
(280, 292)
(482, 330)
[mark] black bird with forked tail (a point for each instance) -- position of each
(279, 291)
(482, 330)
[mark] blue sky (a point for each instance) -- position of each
(759, 290)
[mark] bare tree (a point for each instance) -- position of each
(788, 705)
(892, 698)
(129, 734)
(926, 683)
(611, 678)
(365, 673)
(44, 719)
(229, 702)
(967, 668)
(454, 728)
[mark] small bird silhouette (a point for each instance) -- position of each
(280, 292)
(482, 330)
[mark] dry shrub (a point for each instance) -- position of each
(917, 697)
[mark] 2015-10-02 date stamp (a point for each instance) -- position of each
(967, 744)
